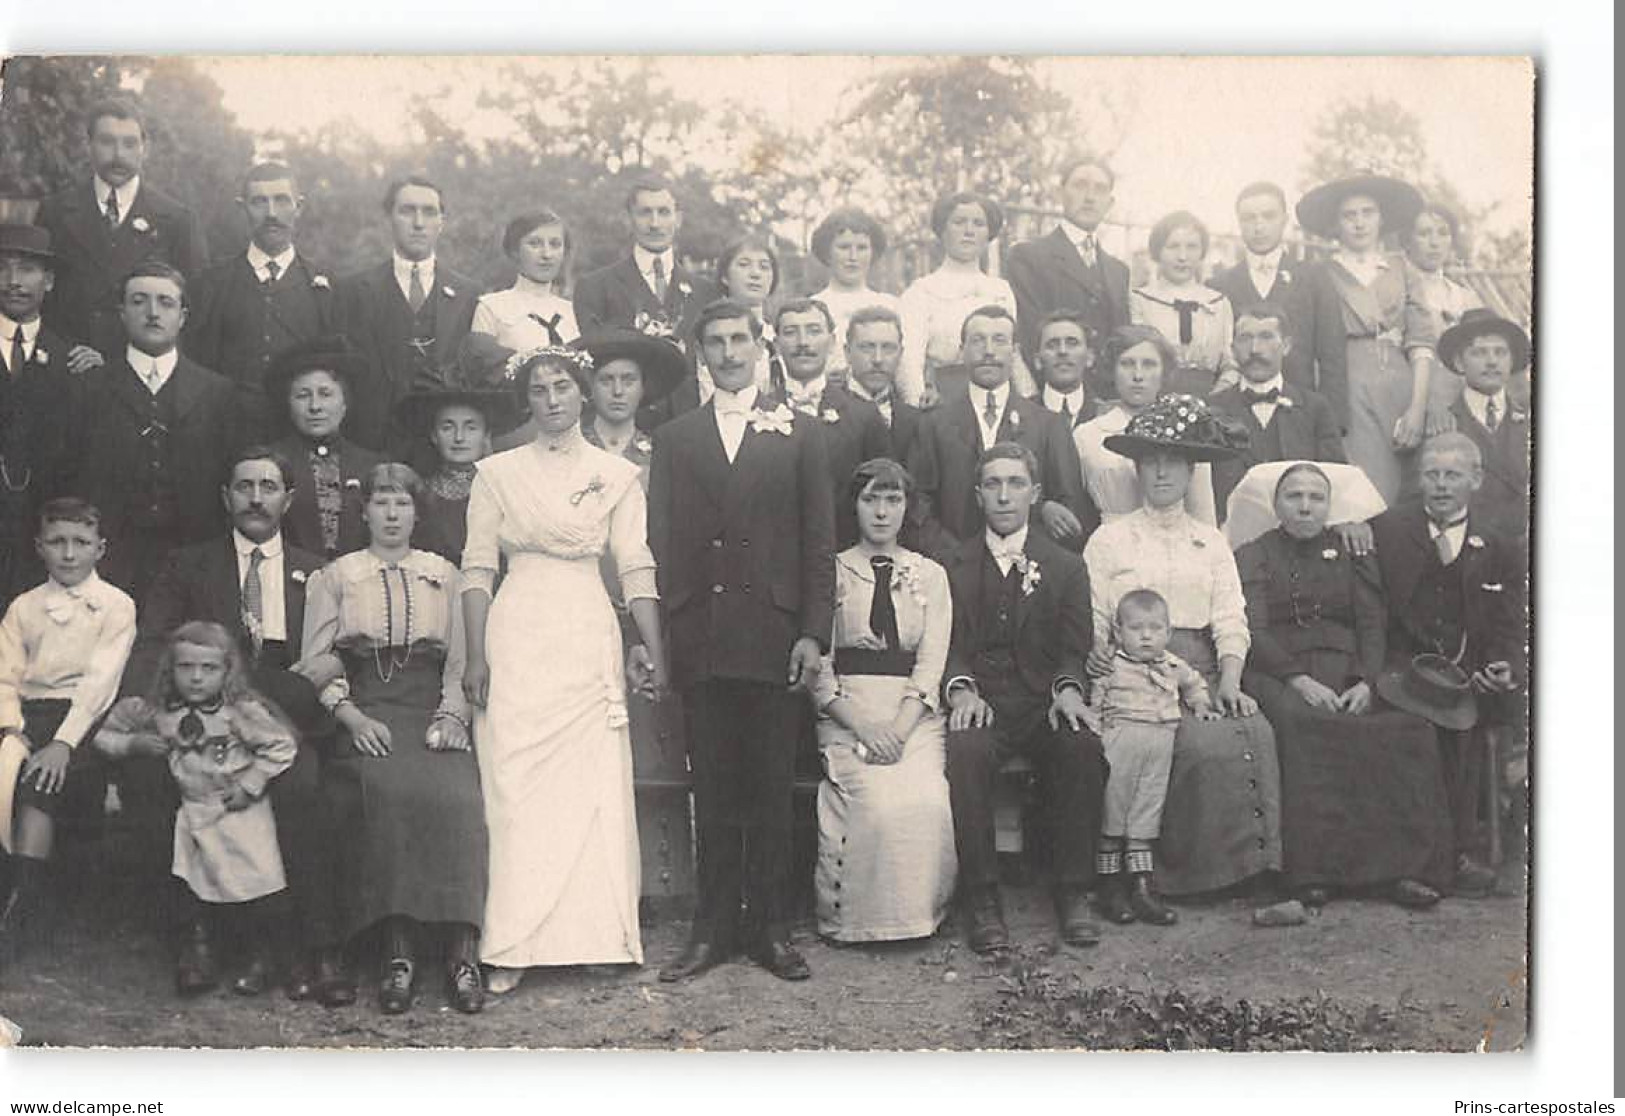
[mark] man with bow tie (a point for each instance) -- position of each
(852, 429)
(103, 228)
(1014, 683)
(253, 306)
(874, 349)
(1486, 351)
(1317, 358)
(1070, 269)
(956, 431)
(409, 315)
(1286, 422)
(742, 526)
(156, 430)
(1454, 588)
(1065, 357)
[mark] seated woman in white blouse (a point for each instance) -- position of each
(1138, 358)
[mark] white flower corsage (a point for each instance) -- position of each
(653, 325)
(41, 356)
(1284, 276)
(1518, 416)
(594, 487)
(1493, 587)
(352, 482)
(1475, 542)
(641, 443)
(1015, 420)
(1330, 554)
(298, 577)
(448, 292)
(320, 282)
(683, 288)
(780, 420)
(831, 415)
(1031, 574)
(1283, 401)
(908, 578)
(140, 225)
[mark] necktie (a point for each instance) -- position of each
(112, 209)
(1186, 309)
(253, 592)
(1066, 409)
(551, 324)
(1087, 249)
(154, 378)
(882, 612)
(271, 270)
(1491, 419)
(1442, 543)
(660, 278)
(1254, 398)
(990, 413)
(415, 294)
(18, 355)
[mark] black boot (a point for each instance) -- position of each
(195, 969)
(1147, 905)
(1111, 898)
(20, 912)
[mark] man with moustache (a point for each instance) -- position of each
(851, 428)
(156, 431)
(1317, 356)
(742, 526)
(1285, 422)
(874, 348)
(253, 584)
(955, 432)
(257, 304)
(103, 228)
(1069, 268)
(1064, 360)
(409, 315)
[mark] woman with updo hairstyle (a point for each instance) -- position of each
(935, 306)
(1196, 319)
(1433, 246)
(748, 272)
(534, 311)
(412, 844)
(886, 859)
(546, 679)
(849, 243)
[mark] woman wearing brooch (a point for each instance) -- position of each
(1196, 319)
(313, 381)
(546, 678)
(1362, 792)
(1222, 821)
(413, 846)
(886, 858)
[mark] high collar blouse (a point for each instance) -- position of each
(1213, 325)
(925, 618)
(1111, 479)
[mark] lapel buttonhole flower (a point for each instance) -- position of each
(642, 444)
(320, 282)
(1285, 403)
(140, 225)
(1330, 554)
(683, 288)
(41, 356)
(1284, 276)
(352, 482)
(448, 292)
(1031, 575)
(1015, 420)
(1493, 587)
(831, 415)
(1475, 542)
(298, 577)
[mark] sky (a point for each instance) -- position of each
(1194, 130)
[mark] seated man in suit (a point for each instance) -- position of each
(156, 431)
(1064, 362)
(253, 584)
(1022, 630)
(1486, 351)
(874, 348)
(1453, 589)
(955, 432)
(1286, 422)
(1318, 357)
(258, 303)
(1069, 268)
(104, 227)
(409, 314)
(852, 428)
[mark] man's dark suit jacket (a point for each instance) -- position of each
(39, 406)
(92, 260)
(1304, 421)
(117, 457)
(1503, 501)
(744, 551)
(1318, 359)
(1047, 274)
(1492, 598)
(302, 526)
(857, 435)
(944, 466)
(370, 309)
(906, 420)
(237, 325)
(1054, 627)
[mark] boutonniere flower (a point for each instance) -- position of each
(683, 288)
(1284, 276)
(1475, 542)
(1518, 416)
(1283, 401)
(1031, 575)
(780, 420)
(320, 282)
(1015, 420)
(831, 415)
(448, 292)
(140, 224)
(41, 356)
(298, 577)
(353, 482)
(1330, 554)
(908, 578)
(641, 443)
(1493, 587)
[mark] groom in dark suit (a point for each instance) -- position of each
(1021, 634)
(409, 314)
(103, 228)
(1068, 269)
(1318, 358)
(741, 522)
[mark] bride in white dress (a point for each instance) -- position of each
(545, 675)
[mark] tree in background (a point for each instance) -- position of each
(42, 137)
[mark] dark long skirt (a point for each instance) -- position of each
(1363, 798)
(413, 821)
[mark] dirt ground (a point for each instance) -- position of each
(1359, 975)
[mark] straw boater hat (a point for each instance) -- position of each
(660, 361)
(1435, 688)
(1183, 425)
(1399, 201)
(1476, 323)
(416, 410)
(27, 240)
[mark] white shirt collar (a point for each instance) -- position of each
(1454, 530)
(404, 266)
(645, 260)
(1007, 547)
(978, 397)
(1076, 233)
(258, 258)
(1269, 261)
(8, 329)
(270, 548)
(143, 362)
(126, 195)
(810, 392)
(741, 401)
(1476, 403)
(855, 386)
(1053, 399)
(1275, 382)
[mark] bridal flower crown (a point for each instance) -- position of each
(578, 357)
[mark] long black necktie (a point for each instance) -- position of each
(1187, 314)
(882, 613)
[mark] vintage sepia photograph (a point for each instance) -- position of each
(767, 552)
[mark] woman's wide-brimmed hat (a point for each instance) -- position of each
(333, 354)
(1476, 323)
(1435, 688)
(416, 410)
(1399, 201)
(1182, 425)
(660, 361)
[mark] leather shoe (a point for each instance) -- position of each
(335, 984)
(985, 923)
(1146, 904)
(1077, 928)
(1314, 896)
(781, 959)
(1112, 899)
(195, 969)
(301, 982)
(395, 990)
(253, 977)
(1473, 880)
(1413, 894)
(467, 993)
(700, 955)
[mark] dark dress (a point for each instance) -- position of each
(1363, 797)
(442, 526)
(325, 517)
